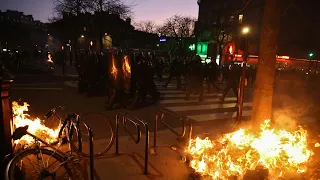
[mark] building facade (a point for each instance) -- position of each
(219, 25)
(20, 31)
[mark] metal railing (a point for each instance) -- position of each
(90, 133)
(135, 121)
(182, 119)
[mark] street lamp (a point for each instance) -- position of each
(245, 30)
(82, 36)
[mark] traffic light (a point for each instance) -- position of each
(310, 54)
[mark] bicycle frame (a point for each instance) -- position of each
(69, 125)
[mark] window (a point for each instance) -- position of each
(231, 18)
(240, 18)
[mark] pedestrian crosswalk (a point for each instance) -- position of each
(210, 109)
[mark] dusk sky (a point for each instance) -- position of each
(157, 10)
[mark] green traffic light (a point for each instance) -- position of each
(311, 54)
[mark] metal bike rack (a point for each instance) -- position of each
(182, 119)
(91, 151)
(135, 121)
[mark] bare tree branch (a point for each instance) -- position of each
(146, 26)
(178, 26)
(74, 7)
(112, 7)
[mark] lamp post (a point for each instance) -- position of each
(245, 32)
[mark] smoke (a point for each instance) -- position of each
(292, 100)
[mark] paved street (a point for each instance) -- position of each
(211, 109)
(44, 91)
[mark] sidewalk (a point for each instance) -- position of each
(166, 161)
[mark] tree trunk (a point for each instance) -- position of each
(263, 89)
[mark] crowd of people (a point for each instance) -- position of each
(95, 76)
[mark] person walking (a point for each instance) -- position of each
(175, 71)
(233, 82)
(195, 84)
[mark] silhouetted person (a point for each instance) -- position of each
(195, 84)
(145, 83)
(175, 71)
(212, 76)
(233, 81)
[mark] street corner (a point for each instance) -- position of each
(72, 84)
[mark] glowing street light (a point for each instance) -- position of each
(82, 36)
(245, 30)
(311, 54)
(91, 43)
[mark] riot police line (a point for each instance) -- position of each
(124, 76)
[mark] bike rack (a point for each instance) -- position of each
(182, 119)
(91, 151)
(135, 121)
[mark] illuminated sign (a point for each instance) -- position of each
(283, 57)
(192, 47)
(203, 56)
(163, 40)
(202, 48)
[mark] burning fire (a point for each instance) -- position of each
(126, 66)
(283, 153)
(36, 126)
(114, 71)
(49, 58)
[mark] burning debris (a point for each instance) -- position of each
(275, 153)
(36, 125)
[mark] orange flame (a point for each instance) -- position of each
(126, 66)
(114, 71)
(280, 151)
(36, 125)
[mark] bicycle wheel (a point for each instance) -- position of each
(103, 135)
(38, 164)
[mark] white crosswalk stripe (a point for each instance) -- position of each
(210, 109)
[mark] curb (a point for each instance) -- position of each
(73, 84)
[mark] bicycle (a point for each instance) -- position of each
(81, 135)
(17, 168)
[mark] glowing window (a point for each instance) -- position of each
(240, 18)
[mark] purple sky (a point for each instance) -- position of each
(157, 10)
